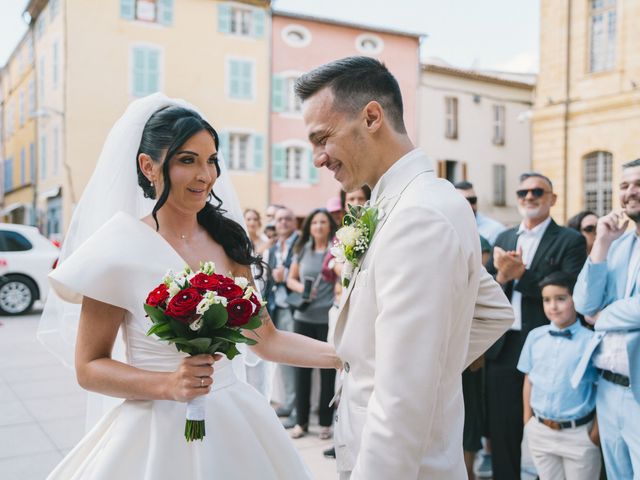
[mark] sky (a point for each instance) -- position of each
(486, 34)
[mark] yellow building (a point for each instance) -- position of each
(18, 132)
(213, 54)
(587, 110)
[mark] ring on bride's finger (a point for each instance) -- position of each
(201, 382)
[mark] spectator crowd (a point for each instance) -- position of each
(567, 372)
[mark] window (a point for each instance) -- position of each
(11, 118)
(145, 71)
(296, 36)
(54, 7)
(43, 157)
(293, 163)
(239, 151)
(242, 151)
(30, 50)
(243, 21)
(13, 242)
(32, 97)
(602, 35)
(21, 108)
(451, 117)
(150, 11)
(42, 76)
(54, 74)
(23, 167)
(499, 185)
(40, 27)
(8, 174)
(56, 150)
(240, 79)
(597, 182)
(369, 44)
(284, 98)
(54, 215)
(498, 124)
(452, 170)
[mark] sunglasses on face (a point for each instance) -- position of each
(536, 192)
(472, 200)
(589, 229)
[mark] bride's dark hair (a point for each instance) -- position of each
(167, 130)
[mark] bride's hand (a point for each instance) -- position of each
(193, 377)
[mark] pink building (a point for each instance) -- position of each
(301, 43)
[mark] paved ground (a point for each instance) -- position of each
(42, 410)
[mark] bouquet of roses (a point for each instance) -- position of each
(203, 312)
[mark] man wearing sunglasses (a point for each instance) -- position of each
(521, 258)
(487, 227)
(608, 290)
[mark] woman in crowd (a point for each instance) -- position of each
(252, 220)
(585, 223)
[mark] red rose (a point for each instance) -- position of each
(202, 281)
(158, 296)
(183, 305)
(256, 303)
(240, 311)
(223, 279)
(229, 291)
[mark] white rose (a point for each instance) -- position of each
(348, 235)
(221, 300)
(208, 268)
(174, 288)
(242, 282)
(338, 253)
(203, 306)
(168, 277)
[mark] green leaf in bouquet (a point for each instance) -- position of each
(161, 330)
(155, 314)
(253, 323)
(231, 352)
(215, 317)
(216, 347)
(181, 329)
(200, 344)
(186, 349)
(232, 335)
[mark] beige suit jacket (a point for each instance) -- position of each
(418, 310)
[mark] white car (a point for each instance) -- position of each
(26, 258)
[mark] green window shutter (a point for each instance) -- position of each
(234, 79)
(258, 23)
(128, 9)
(223, 138)
(313, 171)
(165, 12)
(224, 18)
(153, 71)
(278, 93)
(258, 152)
(247, 80)
(139, 61)
(279, 163)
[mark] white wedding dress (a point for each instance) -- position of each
(119, 265)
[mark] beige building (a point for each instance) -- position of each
(93, 58)
(18, 134)
(475, 126)
(587, 109)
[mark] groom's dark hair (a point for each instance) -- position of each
(354, 82)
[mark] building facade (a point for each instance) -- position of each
(301, 43)
(587, 107)
(475, 126)
(18, 132)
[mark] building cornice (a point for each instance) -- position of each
(343, 23)
(475, 75)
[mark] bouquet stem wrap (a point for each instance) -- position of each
(194, 428)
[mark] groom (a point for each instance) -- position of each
(419, 307)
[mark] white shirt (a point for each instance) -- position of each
(528, 241)
(489, 228)
(612, 354)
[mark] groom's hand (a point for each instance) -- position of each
(193, 377)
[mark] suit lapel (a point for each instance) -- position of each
(546, 241)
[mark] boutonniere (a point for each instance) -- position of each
(353, 239)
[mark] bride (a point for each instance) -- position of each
(112, 258)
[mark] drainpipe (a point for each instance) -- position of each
(567, 102)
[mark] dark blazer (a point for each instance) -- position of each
(560, 249)
(270, 285)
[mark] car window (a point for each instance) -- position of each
(13, 242)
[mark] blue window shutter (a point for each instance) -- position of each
(258, 152)
(43, 157)
(23, 166)
(128, 9)
(223, 138)
(165, 12)
(234, 79)
(258, 23)
(278, 93)
(224, 18)
(279, 163)
(32, 161)
(153, 71)
(8, 174)
(247, 80)
(313, 171)
(139, 61)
